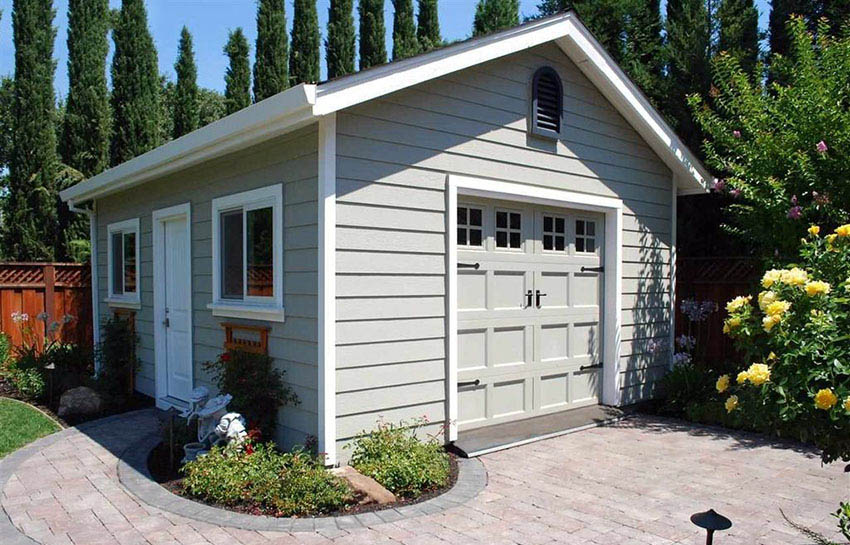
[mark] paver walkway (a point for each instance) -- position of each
(635, 482)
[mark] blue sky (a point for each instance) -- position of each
(210, 20)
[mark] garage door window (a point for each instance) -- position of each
(585, 236)
(508, 229)
(554, 233)
(469, 226)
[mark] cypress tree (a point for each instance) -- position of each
(405, 43)
(135, 85)
(428, 25)
(7, 128)
(495, 15)
(340, 44)
(304, 58)
(738, 22)
(237, 79)
(271, 69)
(29, 222)
(186, 90)
(688, 43)
(780, 12)
(644, 54)
(166, 109)
(85, 131)
(373, 50)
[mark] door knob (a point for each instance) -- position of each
(166, 322)
(528, 295)
(538, 295)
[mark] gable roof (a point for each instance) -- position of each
(305, 103)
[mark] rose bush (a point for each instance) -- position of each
(795, 337)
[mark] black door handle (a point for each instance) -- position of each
(538, 295)
(593, 269)
(528, 296)
(594, 366)
(475, 382)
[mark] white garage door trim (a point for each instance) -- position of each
(612, 311)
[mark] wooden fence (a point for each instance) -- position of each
(55, 289)
(716, 279)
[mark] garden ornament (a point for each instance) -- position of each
(711, 521)
(216, 426)
(231, 428)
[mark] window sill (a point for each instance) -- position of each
(267, 313)
(116, 302)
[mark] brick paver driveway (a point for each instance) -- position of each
(635, 482)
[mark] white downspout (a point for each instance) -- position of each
(95, 308)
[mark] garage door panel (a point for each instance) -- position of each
(556, 286)
(554, 342)
(554, 391)
(509, 345)
(471, 290)
(471, 349)
(586, 289)
(586, 340)
(507, 289)
(510, 397)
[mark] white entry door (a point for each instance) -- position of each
(173, 306)
(529, 293)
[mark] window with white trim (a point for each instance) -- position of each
(470, 226)
(585, 236)
(508, 229)
(248, 254)
(554, 233)
(123, 261)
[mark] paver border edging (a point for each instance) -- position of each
(9, 533)
(133, 474)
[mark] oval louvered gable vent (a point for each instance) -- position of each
(547, 103)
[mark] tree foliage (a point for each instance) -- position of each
(185, 113)
(428, 25)
(373, 49)
(781, 148)
(237, 79)
(495, 15)
(211, 106)
(271, 69)
(340, 43)
(135, 85)
(738, 31)
(304, 58)
(405, 42)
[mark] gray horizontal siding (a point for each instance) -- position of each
(393, 156)
(291, 160)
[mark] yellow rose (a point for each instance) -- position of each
(816, 287)
(814, 230)
(771, 277)
(794, 277)
(830, 238)
(758, 373)
(726, 329)
(825, 399)
(734, 322)
(843, 230)
(777, 308)
(847, 404)
(743, 376)
(723, 384)
(769, 321)
(731, 403)
(738, 303)
(766, 298)
(771, 356)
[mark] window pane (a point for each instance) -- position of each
(579, 244)
(117, 264)
(501, 219)
(559, 225)
(579, 227)
(591, 228)
(559, 243)
(514, 221)
(260, 243)
(461, 215)
(515, 240)
(547, 223)
(475, 216)
(475, 237)
(231, 255)
(130, 262)
(547, 242)
(501, 239)
(461, 236)
(590, 245)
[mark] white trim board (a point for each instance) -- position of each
(159, 217)
(613, 275)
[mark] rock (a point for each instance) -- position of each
(81, 401)
(371, 489)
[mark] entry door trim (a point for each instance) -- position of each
(612, 277)
(160, 353)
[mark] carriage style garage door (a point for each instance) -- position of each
(529, 293)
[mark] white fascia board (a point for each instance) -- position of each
(272, 117)
(578, 43)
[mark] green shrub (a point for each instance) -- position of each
(117, 353)
(5, 349)
(279, 483)
(685, 384)
(256, 385)
(29, 382)
(399, 461)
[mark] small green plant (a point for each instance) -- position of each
(685, 384)
(261, 477)
(394, 456)
(256, 385)
(5, 349)
(29, 382)
(843, 516)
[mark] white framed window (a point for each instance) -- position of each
(585, 236)
(470, 226)
(122, 247)
(508, 229)
(554, 233)
(247, 251)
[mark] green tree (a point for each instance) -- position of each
(237, 79)
(29, 219)
(373, 50)
(644, 55)
(7, 124)
(689, 48)
(186, 90)
(84, 144)
(211, 106)
(304, 58)
(782, 148)
(738, 31)
(271, 68)
(428, 25)
(780, 12)
(135, 85)
(340, 43)
(405, 43)
(167, 93)
(495, 15)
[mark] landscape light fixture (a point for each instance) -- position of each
(711, 521)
